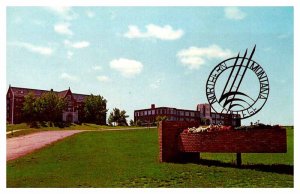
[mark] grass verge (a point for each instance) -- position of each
(15, 130)
(130, 159)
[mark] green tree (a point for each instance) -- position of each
(204, 121)
(95, 109)
(118, 117)
(50, 107)
(29, 108)
(122, 120)
(131, 122)
(138, 123)
(113, 117)
(160, 118)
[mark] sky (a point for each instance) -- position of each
(138, 56)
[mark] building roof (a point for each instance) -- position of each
(79, 97)
(179, 109)
(62, 93)
(24, 91)
(21, 92)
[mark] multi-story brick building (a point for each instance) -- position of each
(73, 113)
(202, 114)
(148, 116)
(217, 118)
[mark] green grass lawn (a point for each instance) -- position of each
(24, 129)
(130, 159)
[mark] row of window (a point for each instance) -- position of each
(166, 111)
(152, 120)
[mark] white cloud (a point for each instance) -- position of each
(113, 15)
(97, 67)
(156, 84)
(81, 44)
(39, 22)
(127, 67)
(77, 45)
(68, 77)
(267, 49)
(65, 13)
(63, 28)
(103, 78)
(90, 14)
(47, 51)
(17, 20)
(234, 13)
(283, 36)
(153, 31)
(194, 57)
(70, 54)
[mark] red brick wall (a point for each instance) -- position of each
(168, 133)
(176, 146)
(251, 141)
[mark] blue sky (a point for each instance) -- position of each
(138, 56)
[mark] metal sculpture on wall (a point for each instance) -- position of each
(232, 88)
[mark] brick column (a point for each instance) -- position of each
(168, 133)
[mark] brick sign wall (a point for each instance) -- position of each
(168, 133)
(178, 146)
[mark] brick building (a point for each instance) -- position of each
(73, 113)
(201, 114)
(217, 118)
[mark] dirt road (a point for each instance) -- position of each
(20, 146)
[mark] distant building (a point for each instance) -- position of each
(217, 118)
(202, 114)
(73, 113)
(148, 116)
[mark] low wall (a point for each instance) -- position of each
(178, 146)
(168, 133)
(251, 141)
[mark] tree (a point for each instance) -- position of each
(95, 109)
(50, 106)
(47, 107)
(122, 120)
(160, 118)
(204, 121)
(131, 122)
(138, 123)
(29, 108)
(118, 117)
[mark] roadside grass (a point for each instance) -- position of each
(130, 159)
(24, 129)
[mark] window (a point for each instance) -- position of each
(145, 112)
(149, 112)
(153, 112)
(187, 114)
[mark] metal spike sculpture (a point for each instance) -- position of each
(232, 99)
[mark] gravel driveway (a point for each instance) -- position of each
(20, 146)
